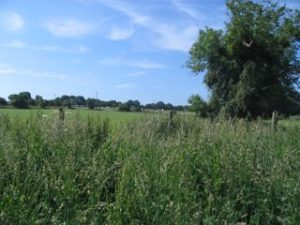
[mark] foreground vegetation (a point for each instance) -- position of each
(148, 171)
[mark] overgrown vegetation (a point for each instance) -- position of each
(148, 172)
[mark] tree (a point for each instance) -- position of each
(91, 103)
(3, 102)
(80, 100)
(134, 105)
(124, 107)
(39, 101)
(160, 105)
(252, 66)
(198, 105)
(21, 100)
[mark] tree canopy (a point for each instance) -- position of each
(21, 100)
(198, 105)
(251, 67)
(3, 101)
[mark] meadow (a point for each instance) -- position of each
(114, 116)
(146, 170)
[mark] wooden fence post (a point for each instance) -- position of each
(171, 116)
(274, 120)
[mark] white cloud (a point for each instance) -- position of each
(187, 9)
(11, 21)
(118, 34)
(137, 74)
(179, 37)
(143, 64)
(70, 28)
(55, 48)
(48, 75)
(9, 70)
(51, 48)
(126, 86)
(16, 44)
(174, 38)
(6, 69)
(123, 8)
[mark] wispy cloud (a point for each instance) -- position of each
(174, 38)
(137, 74)
(9, 70)
(10, 20)
(50, 48)
(6, 69)
(119, 34)
(187, 9)
(48, 75)
(142, 64)
(55, 48)
(126, 86)
(70, 28)
(123, 8)
(168, 36)
(15, 44)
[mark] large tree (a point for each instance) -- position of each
(21, 100)
(251, 67)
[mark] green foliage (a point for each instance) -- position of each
(252, 66)
(21, 100)
(124, 107)
(145, 172)
(3, 102)
(39, 101)
(198, 105)
(91, 103)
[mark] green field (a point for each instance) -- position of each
(146, 170)
(84, 113)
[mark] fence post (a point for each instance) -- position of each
(61, 114)
(274, 120)
(171, 116)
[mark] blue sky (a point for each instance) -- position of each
(120, 49)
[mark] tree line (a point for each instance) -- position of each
(24, 100)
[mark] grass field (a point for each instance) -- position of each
(148, 171)
(84, 113)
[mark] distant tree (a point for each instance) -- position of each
(21, 100)
(198, 105)
(123, 107)
(160, 105)
(39, 101)
(169, 106)
(251, 67)
(112, 103)
(91, 103)
(150, 106)
(66, 103)
(80, 100)
(134, 105)
(56, 102)
(3, 102)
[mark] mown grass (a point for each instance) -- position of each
(147, 171)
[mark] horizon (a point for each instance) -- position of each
(105, 49)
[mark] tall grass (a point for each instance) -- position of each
(148, 172)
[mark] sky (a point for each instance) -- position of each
(109, 49)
